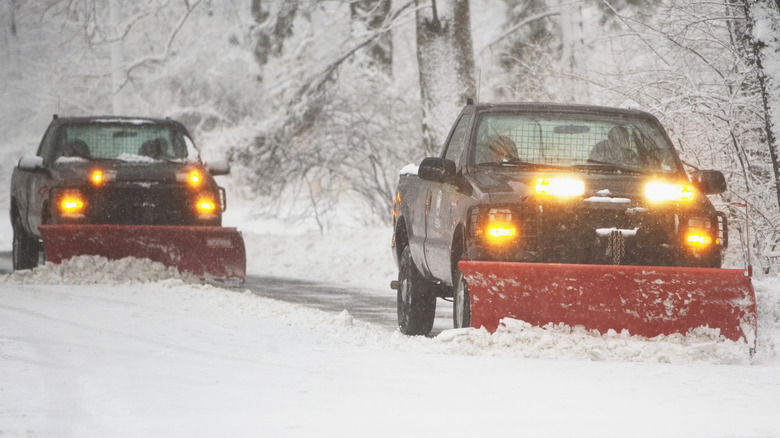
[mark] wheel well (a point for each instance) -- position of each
(401, 237)
(457, 250)
(14, 211)
(458, 246)
(46, 216)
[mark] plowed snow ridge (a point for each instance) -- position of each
(514, 338)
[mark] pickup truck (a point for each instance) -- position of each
(112, 171)
(547, 183)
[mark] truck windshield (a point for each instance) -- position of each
(587, 141)
(124, 141)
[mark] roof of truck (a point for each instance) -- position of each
(547, 107)
(114, 119)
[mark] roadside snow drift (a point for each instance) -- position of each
(92, 348)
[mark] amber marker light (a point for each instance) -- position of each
(498, 226)
(662, 192)
(698, 239)
(206, 206)
(71, 204)
(500, 231)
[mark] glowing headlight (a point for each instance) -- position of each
(660, 192)
(192, 177)
(98, 177)
(560, 187)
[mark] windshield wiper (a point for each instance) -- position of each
(612, 167)
(514, 161)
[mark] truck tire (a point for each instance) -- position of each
(461, 303)
(25, 248)
(416, 299)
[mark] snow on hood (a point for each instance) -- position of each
(70, 160)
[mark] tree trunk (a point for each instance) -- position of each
(446, 66)
(117, 60)
(764, 50)
(369, 16)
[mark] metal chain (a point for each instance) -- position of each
(616, 247)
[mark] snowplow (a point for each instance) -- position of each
(645, 300)
(121, 187)
(565, 214)
(206, 252)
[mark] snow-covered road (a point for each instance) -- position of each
(121, 349)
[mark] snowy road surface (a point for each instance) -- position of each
(93, 348)
(378, 309)
(375, 309)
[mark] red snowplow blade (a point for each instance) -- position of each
(645, 300)
(208, 252)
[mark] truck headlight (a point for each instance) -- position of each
(193, 178)
(98, 177)
(662, 192)
(562, 187)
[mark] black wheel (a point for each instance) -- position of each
(416, 299)
(461, 303)
(25, 248)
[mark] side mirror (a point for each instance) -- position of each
(711, 182)
(436, 169)
(31, 163)
(218, 167)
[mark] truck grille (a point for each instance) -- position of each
(142, 204)
(573, 234)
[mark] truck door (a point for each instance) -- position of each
(443, 201)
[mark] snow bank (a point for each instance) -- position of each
(171, 359)
(520, 339)
(362, 257)
(88, 269)
(768, 300)
(513, 338)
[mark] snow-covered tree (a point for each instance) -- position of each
(763, 21)
(341, 129)
(181, 59)
(446, 65)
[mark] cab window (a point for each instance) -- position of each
(458, 139)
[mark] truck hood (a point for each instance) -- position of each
(77, 172)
